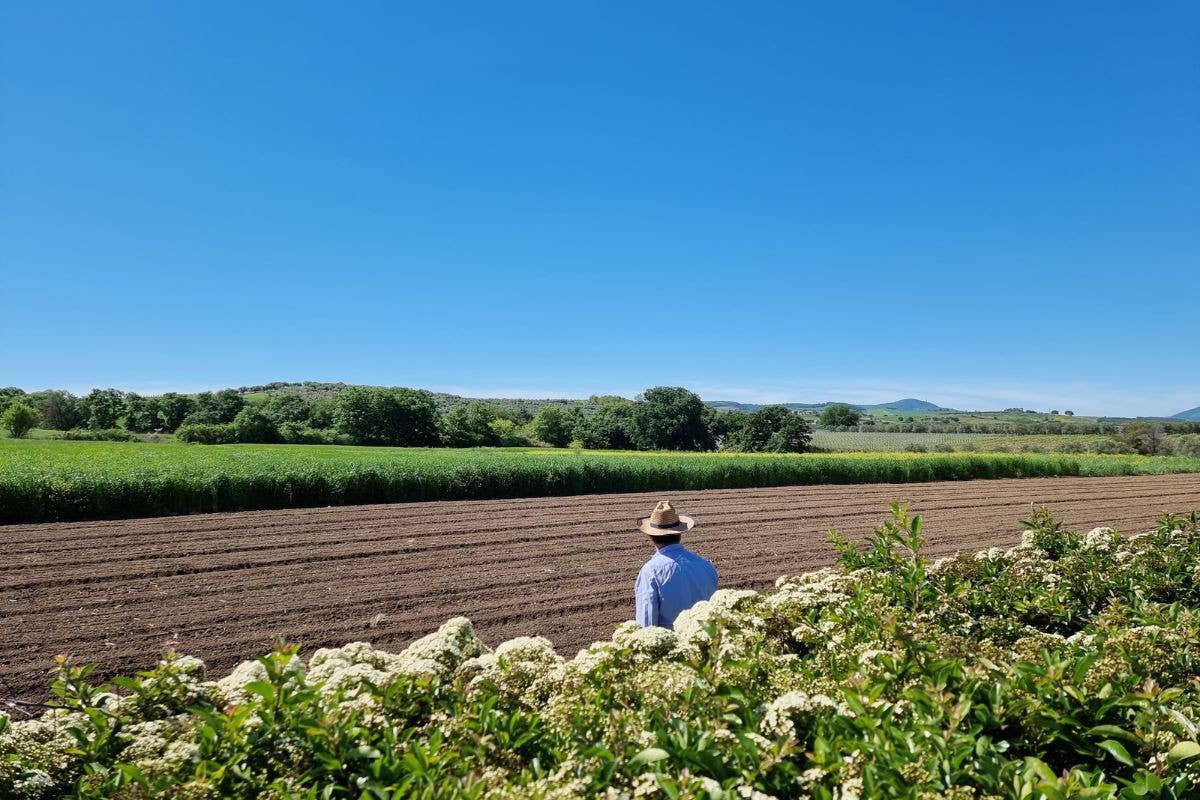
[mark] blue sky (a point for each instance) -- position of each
(979, 204)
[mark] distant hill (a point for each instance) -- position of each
(1192, 414)
(907, 404)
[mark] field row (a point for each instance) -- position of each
(46, 480)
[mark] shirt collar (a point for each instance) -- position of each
(672, 549)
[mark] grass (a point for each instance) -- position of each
(59, 480)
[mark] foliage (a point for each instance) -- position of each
(206, 433)
(1067, 666)
(553, 426)
(255, 426)
(838, 414)
(1144, 437)
(19, 418)
(608, 428)
(174, 408)
(61, 411)
(215, 408)
(398, 417)
(670, 418)
(773, 429)
(104, 408)
(478, 424)
(142, 414)
(48, 480)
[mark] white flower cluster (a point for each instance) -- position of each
(523, 668)
(346, 669)
(1102, 540)
(780, 716)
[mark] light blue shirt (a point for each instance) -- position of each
(674, 580)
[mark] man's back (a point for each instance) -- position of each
(674, 580)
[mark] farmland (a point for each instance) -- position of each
(60, 480)
(1061, 664)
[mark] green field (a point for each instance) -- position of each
(867, 441)
(57, 480)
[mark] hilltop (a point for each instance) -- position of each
(908, 404)
(1192, 414)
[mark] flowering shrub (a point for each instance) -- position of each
(1066, 666)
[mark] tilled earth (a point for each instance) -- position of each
(226, 587)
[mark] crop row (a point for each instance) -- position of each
(52, 480)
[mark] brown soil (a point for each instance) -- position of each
(225, 587)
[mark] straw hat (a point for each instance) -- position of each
(663, 521)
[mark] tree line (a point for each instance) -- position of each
(662, 418)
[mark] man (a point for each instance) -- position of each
(675, 579)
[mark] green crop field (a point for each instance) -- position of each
(59, 480)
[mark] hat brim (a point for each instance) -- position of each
(686, 523)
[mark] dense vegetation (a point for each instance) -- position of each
(663, 418)
(54, 480)
(1065, 667)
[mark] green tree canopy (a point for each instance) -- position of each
(395, 417)
(19, 418)
(670, 418)
(174, 408)
(254, 425)
(104, 408)
(836, 414)
(553, 426)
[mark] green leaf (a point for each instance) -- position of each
(1114, 731)
(650, 755)
(1117, 751)
(1183, 751)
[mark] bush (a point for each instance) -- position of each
(553, 426)
(103, 435)
(1186, 445)
(1071, 447)
(1110, 447)
(943, 447)
(254, 426)
(1063, 667)
(200, 433)
(297, 433)
(19, 418)
(914, 447)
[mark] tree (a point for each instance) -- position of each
(104, 408)
(1069, 413)
(288, 408)
(836, 414)
(395, 417)
(553, 426)
(174, 408)
(19, 418)
(1144, 437)
(61, 411)
(670, 418)
(608, 428)
(470, 425)
(142, 414)
(774, 429)
(254, 425)
(794, 436)
(725, 426)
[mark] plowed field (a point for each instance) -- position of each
(224, 587)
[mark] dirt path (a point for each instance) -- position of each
(224, 587)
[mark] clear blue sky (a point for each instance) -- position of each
(978, 204)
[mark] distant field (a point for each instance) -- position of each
(58, 480)
(853, 441)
